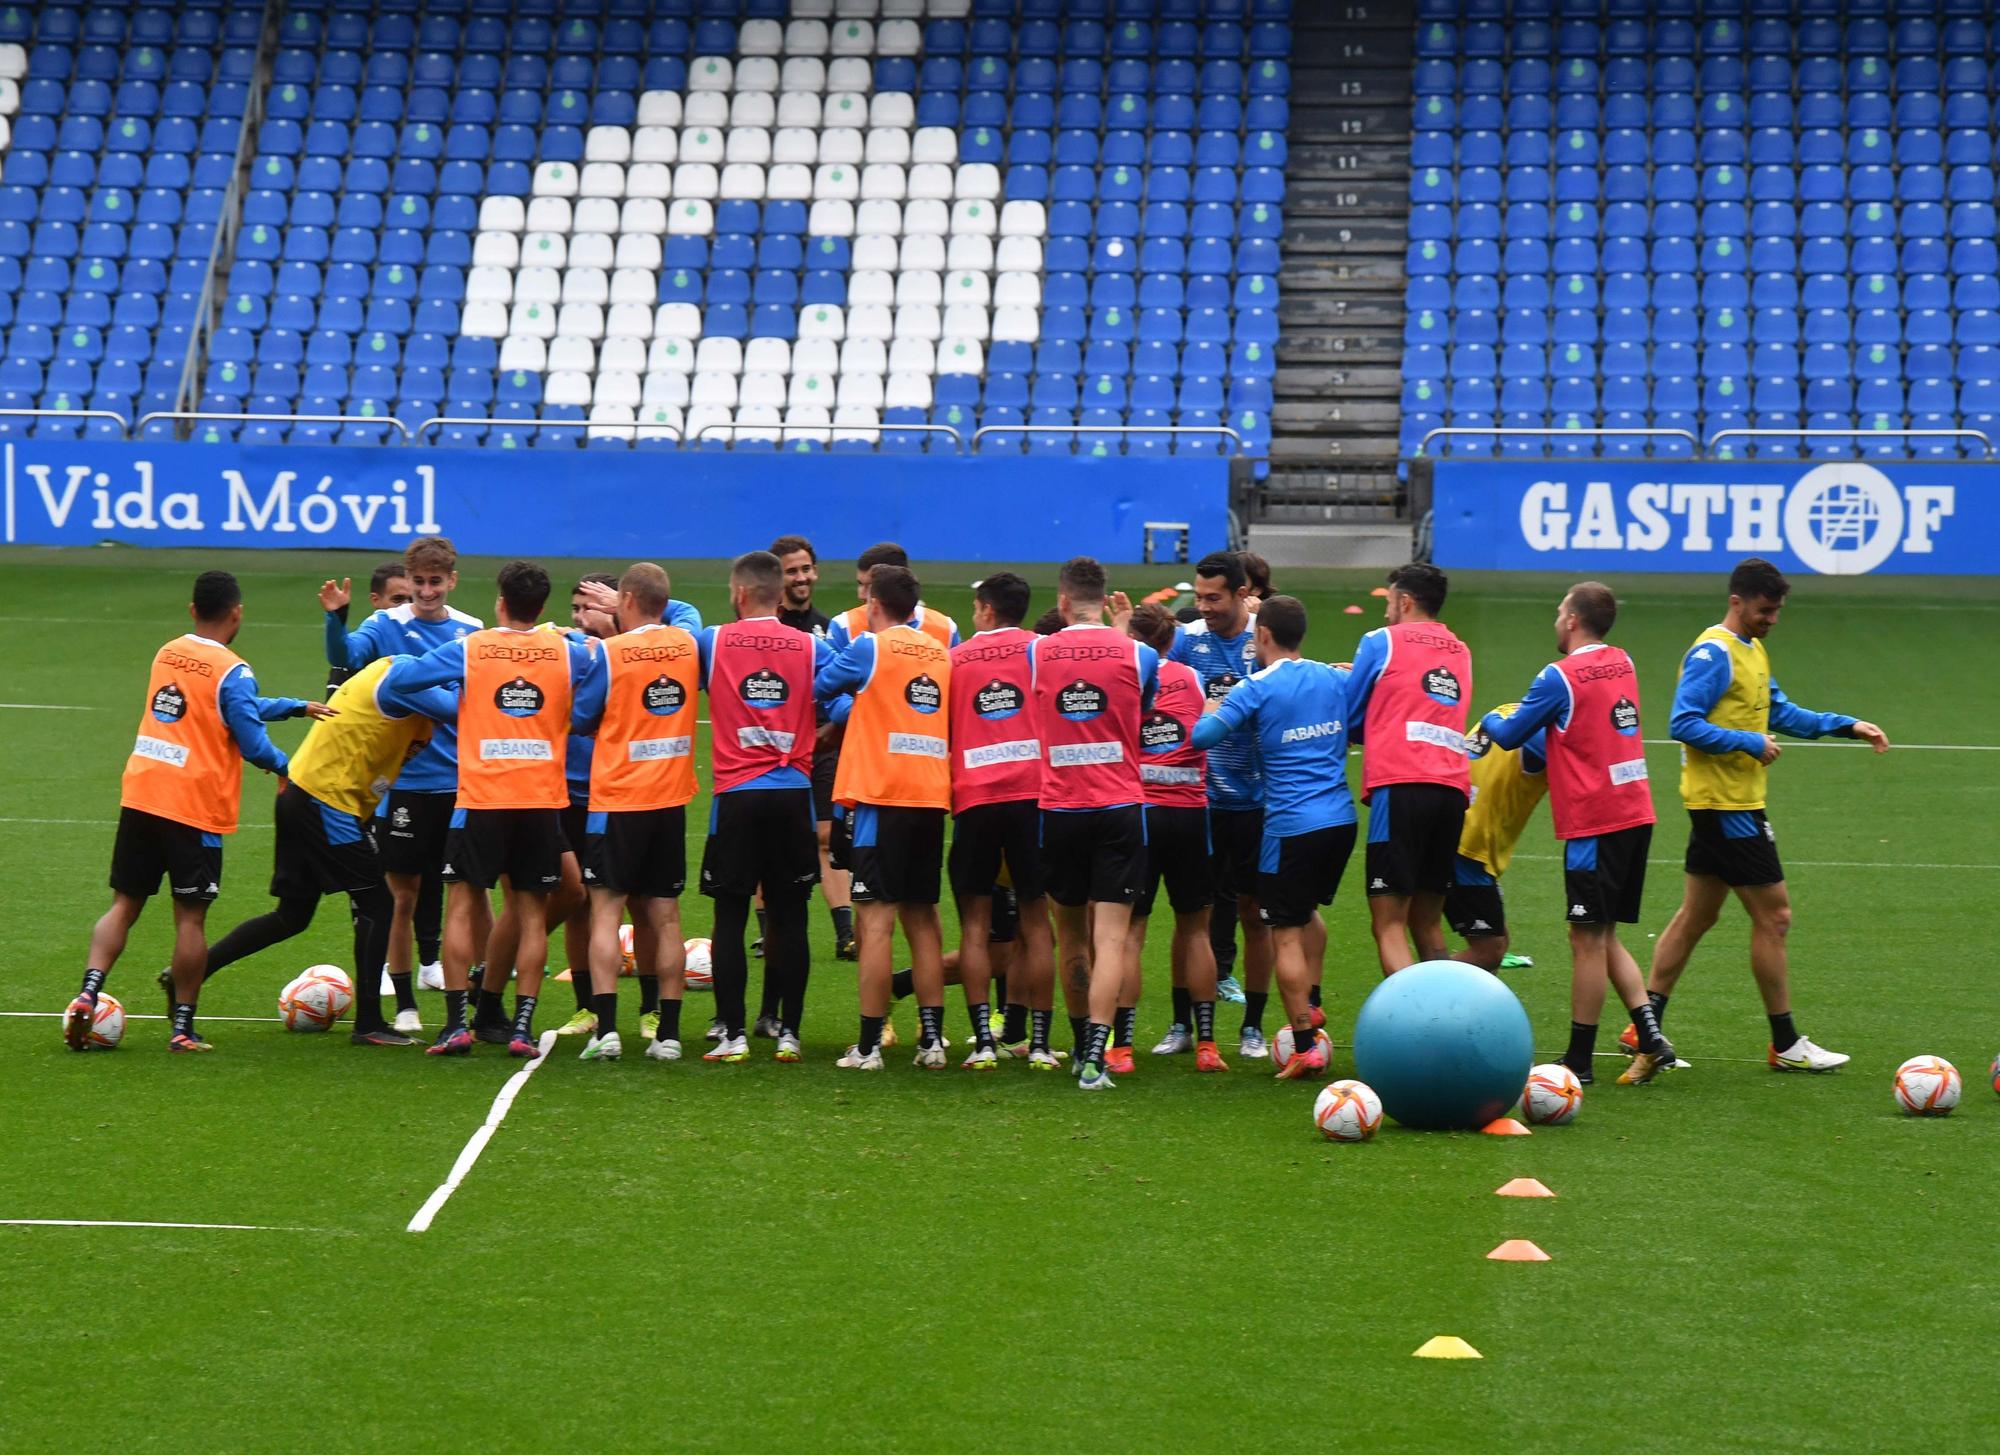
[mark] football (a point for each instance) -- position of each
(1347, 1111)
(626, 962)
(107, 1027)
(1994, 1072)
(1927, 1086)
(1285, 1043)
(1553, 1095)
(700, 965)
(318, 998)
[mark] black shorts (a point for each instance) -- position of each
(985, 836)
(575, 824)
(760, 837)
(1604, 878)
(149, 847)
(839, 841)
(1413, 833)
(1237, 835)
(410, 831)
(898, 854)
(1177, 851)
(1094, 854)
(524, 844)
(1299, 872)
(1735, 845)
(1006, 921)
(320, 849)
(640, 852)
(826, 764)
(1473, 906)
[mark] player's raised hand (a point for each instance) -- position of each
(1771, 750)
(1121, 609)
(1872, 735)
(333, 596)
(319, 710)
(599, 597)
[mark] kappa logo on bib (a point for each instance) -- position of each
(765, 688)
(665, 697)
(169, 703)
(1441, 686)
(519, 698)
(1080, 701)
(1625, 716)
(923, 694)
(997, 701)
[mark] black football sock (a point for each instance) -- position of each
(1659, 1004)
(606, 1006)
(1647, 1025)
(524, 1016)
(405, 987)
(1783, 1032)
(1312, 996)
(649, 994)
(788, 958)
(731, 966)
(1222, 935)
(843, 922)
(183, 1018)
(1096, 1033)
(260, 932)
(1183, 1006)
(763, 923)
(871, 1034)
(1015, 1028)
(670, 1020)
(998, 985)
(768, 997)
(93, 981)
(428, 919)
(930, 1019)
(1204, 1020)
(1123, 1020)
(579, 984)
(1040, 1020)
(428, 951)
(1582, 1042)
(1254, 1002)
(1076, 1034)
(489, 1008)
(454, 1009)
(371, 909)
(903, 984)
(980, 1013)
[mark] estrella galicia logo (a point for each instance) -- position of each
(1625, 716)
(664, 696)
(519, 698)
(766, 689)
(997, 701)
(1220, 687)
(1441, 686)
(1080, 701)
(170, 704)
(1161, 732)
(923, 694)
(1477, 744)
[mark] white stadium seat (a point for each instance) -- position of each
(753, 108)
(934, 144)
(870, 289)
(892, 109)
(503, 214)
(833, 217)
(931, 180)
(545, 249)
(661, 421)
(812, 9)
(805, 38)
(968, 320)
(748, 144)
(888, 145)
(610, 421)
(616, 387)
(789, 183)
(803, 73)
(629, 320)
(555, 179)
(596, 214)
(871, 321)
(1016, 254)
(719, 356)
(970, 252)
(537, 285)
(567, 386)
(496, 250)
(845, 105)
(883, 180)
(670, 354)
(1016, 325)
(602, 179)
(855, 73)
(966, 286)
(549, 214)
(760, 38)
(810, 389)
(590, 250)
(622, 355)
(695, 179)
(761, 389)
(799, 108)
(841, 144)
(607, 144)
(717, 390)
(701, 144)
(879, 215)
(898, 38)
(919, 287)
(912, 356)
(581, 320)
(958, 355)
(795, 144)
(666, 387)
(586, 285)
(860, 391)
(909, 391)
(822, 320)
(743, 181)
(659, 108)
(800, 422)
(690, 217)
(700, 418)
(1024, 219)
(529, 355)
(816, 356)
(759, 423)
(979, 181)
(926, 214)
(863, 356)
(923, 250)
(1017, 290)
(767, 356)
(854, 9)
(919, 320)
(639, 246)
(711, 73)
(974, 216)
(677, 321)
(483, 318)
(656, 144)
(856, 422)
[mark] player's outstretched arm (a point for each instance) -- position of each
(1871, 735)
(1793, 721)
(240, 712)
(846, 673)
(1543, 704)
(441, 666)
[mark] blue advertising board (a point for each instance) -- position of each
(601, 503)
(1834, 518)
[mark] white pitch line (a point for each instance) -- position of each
(56, 1015)
(1807, 863)
(495, 1114)
(119, 1223)
(44, 707)
(103, 823)
(1789, 743)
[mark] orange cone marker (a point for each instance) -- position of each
(1522, 1187)
(1518, 1250)
(1505, 1127)
(1350, 611)
(564, 977)
(1379, 591)
(1447, 1346)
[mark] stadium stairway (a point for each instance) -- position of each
(1335, 412)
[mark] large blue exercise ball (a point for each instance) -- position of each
(1445, 1045)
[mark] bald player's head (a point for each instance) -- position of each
(645, 590)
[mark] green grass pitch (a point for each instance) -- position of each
(726, 1258)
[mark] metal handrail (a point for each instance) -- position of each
(457, 419)
(958, 440)
(1518, 432)
(986, 429)
(1914, 434)
(123, 423)
(210, 414)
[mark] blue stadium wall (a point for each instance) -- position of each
(589, 503)
(1844, 518)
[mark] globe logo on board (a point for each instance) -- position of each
(1844, 519)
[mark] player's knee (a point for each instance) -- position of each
(1775, 919)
